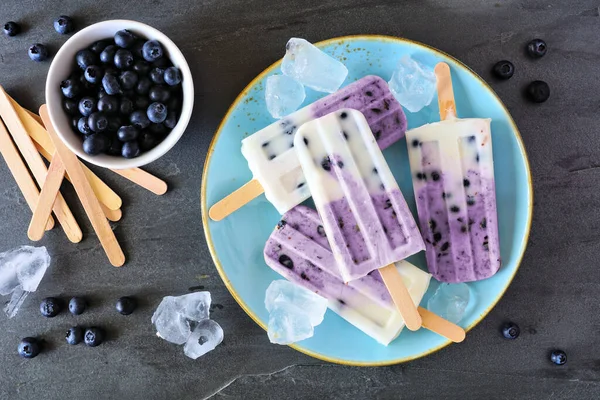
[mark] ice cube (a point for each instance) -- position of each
(450, 301)
(283, 95)
(195, 306)
(175, 317)
(312, 67)
(413, 84)
(288, 324)
(205, 337)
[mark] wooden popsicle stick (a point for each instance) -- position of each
(37, 166)
(20, 172)
(31, 113)
(38, 133)
(401, 296)
(235, 200)
(111, 215)
(86, 195)
(143, 179)
(442, 327)
(50, 189)
(445, 92)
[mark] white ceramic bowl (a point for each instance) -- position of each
(62, 66)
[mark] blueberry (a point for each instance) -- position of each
(537, 48)
(108, 104)
(286, 261)
(87, 105)
(157, 112)
(64, 25)
(77, 305)
(130, 150)
(157, 75)
(172, 76)
(115, 147)
(107, 56)
(538, 91)
(95, 144)
(126, 305)
(128, 80)
(158, 129)
(11, 28)
(93, 336)
(152, 50)
(101, 93)
(38, 52)
(143, 86)
(74, 335)
(29, 347)
(99, 46)
(111, 70)
(139, 119)
(50, 307)
(111, 85)
(510, 330)
(137, 49)
(85, 85)
(174, 104)
(83, 126)
(85, 58)
(141, 103)
(93, 74)
(75, 121)
(126, 106)
(159, 93)
(558, 357)
(123, 59)
(114, 123)
(141, 67)
(148, 140)
(163, 63)
(125, 38)
(70, 106)
(171, 120)
(504, 69)
(127, 133)
(97, 122)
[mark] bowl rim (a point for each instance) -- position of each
(217, 262)
(170, 140)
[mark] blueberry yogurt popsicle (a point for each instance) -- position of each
(271, 157)
(453, 177)
(365, 216)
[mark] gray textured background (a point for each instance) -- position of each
(554, 296)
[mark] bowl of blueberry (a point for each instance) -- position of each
(119, 94)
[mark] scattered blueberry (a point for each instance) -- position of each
(70, 87)
(130, 150)
(77, 305)
(99, 46)
(11, 28)
(139, 119)
(93, 74)
(107, 56)
(510, 330)
(157, 75)
(141, 67)
(157, 112)
(538, 91)
(128, 80)
(93, 336)
(159, 93)
(87, 105)
(504, 69)
(85, 58)
(108, 104)
(124, 38)
(537, 48)
(152, 50)
(111, 84)
(83, 127)
(50, 307)
(127, 133)
(98, 122)
(74, 335)
(95, 143)
(126, 305)
(38, 52)
(143, 86)
(141, 103)
(29, 347)
(558, 357)
(64, 25)
(71, 106)
(171, 120)
(172, 76)
(123, 59)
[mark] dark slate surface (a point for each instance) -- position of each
(554, 296)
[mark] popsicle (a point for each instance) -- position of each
(271, 157)
(365, 216)
(299, 251)
(453, 177)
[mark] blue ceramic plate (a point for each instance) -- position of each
(237, 242)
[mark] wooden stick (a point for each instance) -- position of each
(111, 215)
(143, 179)
(86, 195)
(56, 174)
(401, 297)
(37, 166)
(20, 172)
(235, 200)
(445, 92)
(441, 326)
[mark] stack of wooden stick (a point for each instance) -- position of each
(30, 137)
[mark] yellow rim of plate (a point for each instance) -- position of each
(204, 208)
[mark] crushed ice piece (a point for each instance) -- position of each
(175, 317)
(413, 84)
(205, 337)
(450, 301)
(21, 271)
(293, 312)
(283, 95)
(312, 67)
